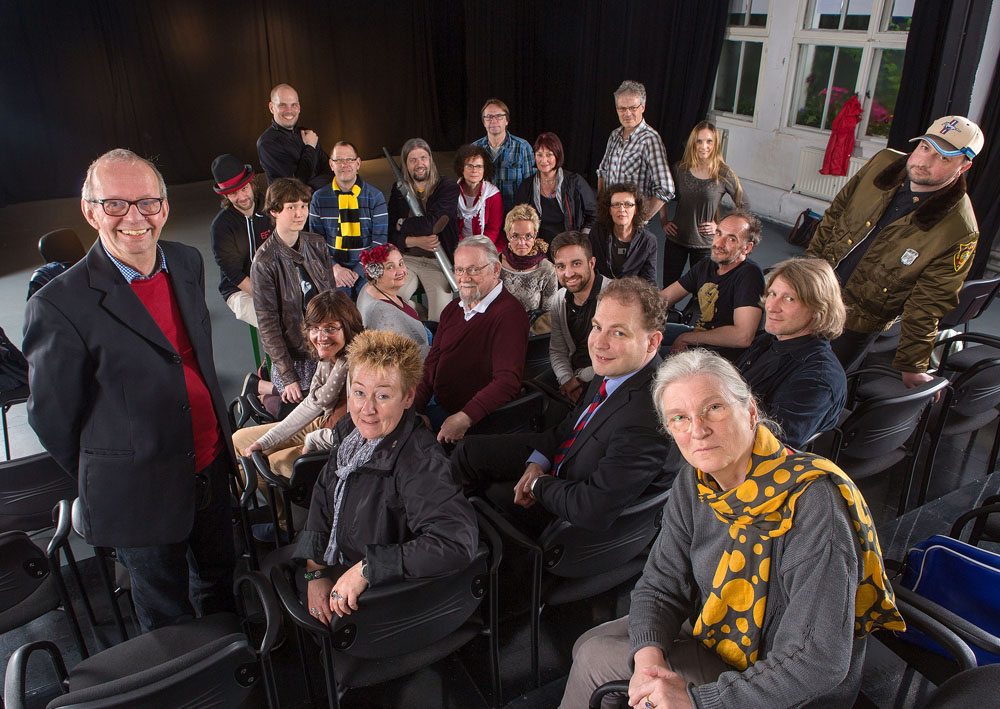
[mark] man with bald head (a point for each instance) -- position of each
(125, 398)
(289, 150)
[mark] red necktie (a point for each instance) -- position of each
(564, 447)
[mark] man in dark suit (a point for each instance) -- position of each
(608, 451)
(125, 397)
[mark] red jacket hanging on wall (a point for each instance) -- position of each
(841, 145)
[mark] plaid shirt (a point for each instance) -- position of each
(640, 158)
(130, 274)
(513, 163)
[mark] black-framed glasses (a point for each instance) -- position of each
(147, 206)
(619, 205)
(628, 109)
(493, 116)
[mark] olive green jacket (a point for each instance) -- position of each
(917, 264)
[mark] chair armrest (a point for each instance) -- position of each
(289, 600)
(548, 391)
(17, 669)
(493, 540)
(940, 633)
(272, 612)
(968, 632)
(249, 475)
(617, 687)
(264, 471)
(504, 526)
(62, 515)
(991, 507)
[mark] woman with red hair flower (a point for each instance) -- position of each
(379, 302)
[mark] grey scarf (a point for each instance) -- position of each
(354, 452)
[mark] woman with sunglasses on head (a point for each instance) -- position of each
(702, 179)
(525, 271)
(379, 302)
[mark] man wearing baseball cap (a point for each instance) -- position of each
(237, 232)
(901, 235)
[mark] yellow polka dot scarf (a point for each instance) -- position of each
(757, 511)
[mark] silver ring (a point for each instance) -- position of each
(314, 611)
(336, 596)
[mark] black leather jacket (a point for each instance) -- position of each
(402, 510)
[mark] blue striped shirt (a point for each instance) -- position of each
(324, 211)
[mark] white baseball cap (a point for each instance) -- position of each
(954, 135)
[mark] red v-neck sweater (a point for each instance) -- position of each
(157, 294)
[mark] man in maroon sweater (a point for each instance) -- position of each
(477, 358)
(125, 398)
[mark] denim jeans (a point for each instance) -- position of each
(172, 583)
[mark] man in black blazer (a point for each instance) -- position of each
(125, 397)
(609, 450)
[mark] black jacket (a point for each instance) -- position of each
(579, 205)
(402, 510)
(799, 382)
(443, 201)
(620, 456)
(108, 398)
(235, 239)
(641, 259)
(283, 153)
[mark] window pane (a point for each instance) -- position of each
(810, 87)
(845, 79)
(859, 14)
(747, 101)
(890, 68)
(758, 13)
(737, 13)
(901, 17)
(725, 82)
(823, 15)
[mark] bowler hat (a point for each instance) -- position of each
(230, 173)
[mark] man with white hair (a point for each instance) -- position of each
(635, 152)
(477, 357)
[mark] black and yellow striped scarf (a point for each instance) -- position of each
(758, 510)
(348, 218)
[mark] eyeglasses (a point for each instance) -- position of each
(328, 331)
(493, 116)
(471, 270)
(342, 161)
(521, 237)
(713, 413)
(147, 206)
(474, 166)
(628, 109)
(619, 205)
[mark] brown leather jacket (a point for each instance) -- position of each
(277, 297)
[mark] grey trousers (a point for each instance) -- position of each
(602, 655)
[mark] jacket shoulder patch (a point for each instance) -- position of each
(964, 253)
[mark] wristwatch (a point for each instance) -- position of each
(532, 488)
(317, 574)
(364, 570)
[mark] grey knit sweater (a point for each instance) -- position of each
(808, 653)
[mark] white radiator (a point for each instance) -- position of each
(808, 181)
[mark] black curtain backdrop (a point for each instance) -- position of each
(942, 55)
(184, 81)
(984, 176)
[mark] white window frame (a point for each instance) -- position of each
(870, 41)
(745, 34)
